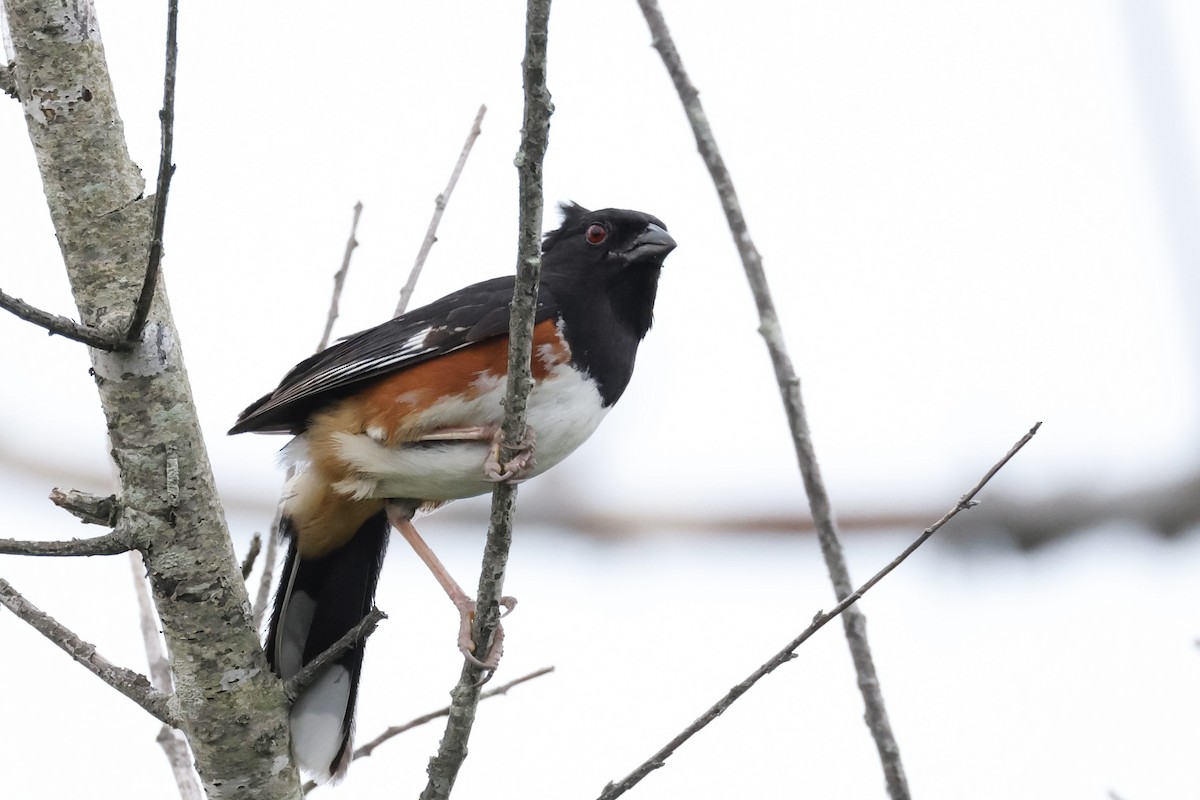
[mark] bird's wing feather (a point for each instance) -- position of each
(468, 316)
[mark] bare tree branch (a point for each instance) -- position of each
(614, 790)
(110, 544)
(104, 222)
(166, 169)
(439, 206)
(89, 508)
(156, 657)
(129, 683)
(263, 597)
(339, 278)
(367, 749)
(59, 325)
(179, 756)
(251, 555)
(535, 133)
(86, 334)
(313, 669)
(173, 743)
(789, 388)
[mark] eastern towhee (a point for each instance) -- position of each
(405, 417)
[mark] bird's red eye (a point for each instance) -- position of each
(597, 233)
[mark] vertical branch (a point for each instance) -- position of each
(166, 170)
(263, 595)
(443, 768)
(173, 743)
(789, 389)
(439, 207)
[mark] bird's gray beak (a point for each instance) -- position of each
(654, 242)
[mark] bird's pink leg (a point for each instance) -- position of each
(401, 519)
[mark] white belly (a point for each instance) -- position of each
(564, 410)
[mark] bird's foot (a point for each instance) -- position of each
(466, 644)
(515, 469)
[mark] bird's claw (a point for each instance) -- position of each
(466, 643)
(515, 469)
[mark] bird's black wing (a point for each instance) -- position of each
(468, 316)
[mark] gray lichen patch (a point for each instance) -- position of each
(47, 104)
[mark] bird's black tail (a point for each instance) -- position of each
(318, 602)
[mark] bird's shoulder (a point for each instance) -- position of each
(468, 316)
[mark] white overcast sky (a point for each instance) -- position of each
(973, 216)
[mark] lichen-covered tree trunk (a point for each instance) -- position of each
(230, 706)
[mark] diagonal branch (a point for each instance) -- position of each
(789, 388)
(614, 790)
(535, 134)
(439, 207)
(339, 277)
(58, 325)
(129, 683)
(313, 669)
(251, 555)
(367, 749)
(165, 170)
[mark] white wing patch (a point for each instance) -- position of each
(410, 348)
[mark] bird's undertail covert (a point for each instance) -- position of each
(318, 602)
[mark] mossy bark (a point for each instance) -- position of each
(231, 707)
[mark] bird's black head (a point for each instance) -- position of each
(612, 253)
(609, 240)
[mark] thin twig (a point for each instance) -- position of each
(110, 544)
(57, 325)
(535, 133)
(367, 749)
(339, 277)
(156, 657)
(179, 756)
(173, 743)
(165, 170)
(251, 555)
(264, 582)
(614, 790)
(129, 683)
(313, 669)
(439, 206)
(89, 508)
(339, 281)
(789, 388)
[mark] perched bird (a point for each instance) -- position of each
(405, 417)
